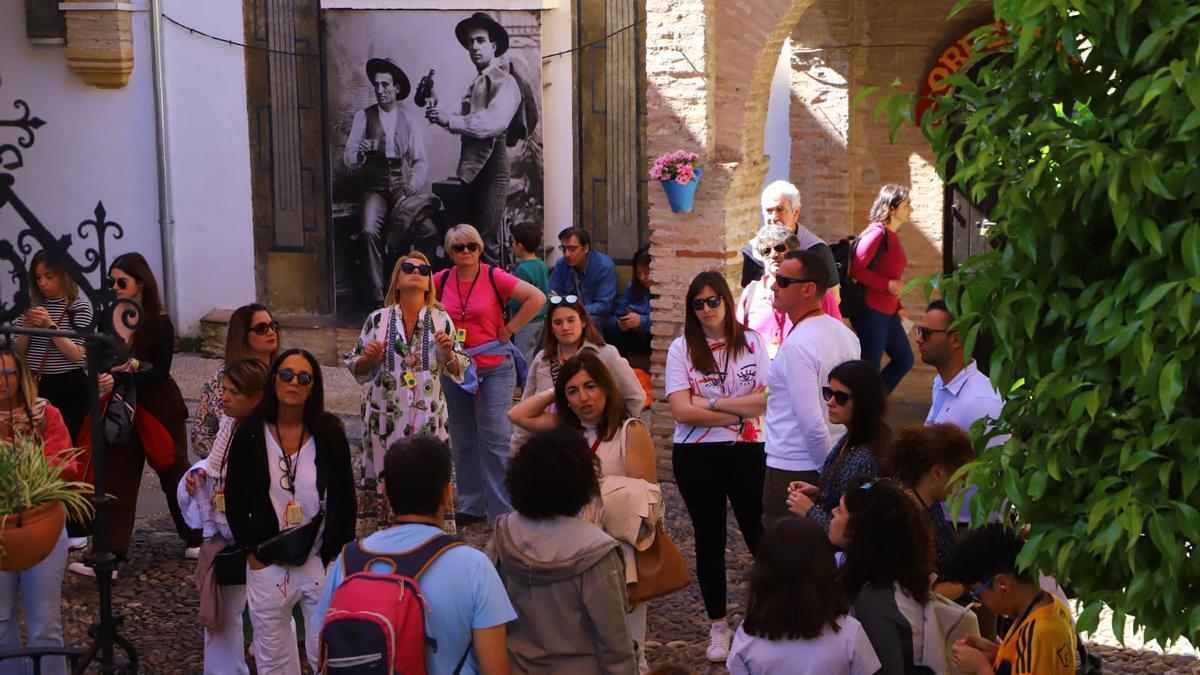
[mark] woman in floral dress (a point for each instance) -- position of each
(401, 352)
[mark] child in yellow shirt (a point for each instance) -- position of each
(1041, 640)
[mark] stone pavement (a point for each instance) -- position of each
(156, 597)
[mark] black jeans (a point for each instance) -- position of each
(707, 473)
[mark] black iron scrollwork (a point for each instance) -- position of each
(28, 125)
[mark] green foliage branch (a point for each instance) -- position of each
(1084, 128)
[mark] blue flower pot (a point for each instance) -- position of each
(682, 197)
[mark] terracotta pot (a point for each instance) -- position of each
(27, 537)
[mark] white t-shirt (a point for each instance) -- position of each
(800, 435)
(846, 652)
(736, 377)
(304, 465)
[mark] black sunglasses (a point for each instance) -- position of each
(470, 246)
(784, 282)
(842, 397)
(121, 283)
(778, 248)
(409, 268)
(923, 332)
(559, 299)
(302, 378)
(699, 303)
(262, 327)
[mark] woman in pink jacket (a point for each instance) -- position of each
(878, 324)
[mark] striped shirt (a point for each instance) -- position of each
(55, 363)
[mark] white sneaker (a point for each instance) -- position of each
(76, 543)
(83, 569)
(719, 637)
(191, 553)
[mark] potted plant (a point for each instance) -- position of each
(34, 500)
(679, 173)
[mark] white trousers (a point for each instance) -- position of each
(225, 652)
(272, 592)
(636, 620)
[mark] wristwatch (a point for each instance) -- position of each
(712, 403)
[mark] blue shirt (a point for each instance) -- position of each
(627, 304)
(596, 287)
(462, 588)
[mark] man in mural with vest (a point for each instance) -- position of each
(488, 107)
(397, 215)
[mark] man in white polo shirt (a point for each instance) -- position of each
(961, 394)
(799, 435)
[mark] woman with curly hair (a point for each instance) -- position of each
(889, 565)
(857, 398)
(924, 460)
(556, 564)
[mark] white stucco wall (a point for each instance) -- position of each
(98, 144)
(777, 136)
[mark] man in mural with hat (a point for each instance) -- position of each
(395, 210)
(488, 107)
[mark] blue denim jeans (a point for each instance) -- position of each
(529, 339)
(40, 589)
(880, 333)
(479, 436)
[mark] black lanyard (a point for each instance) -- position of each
(463, 302)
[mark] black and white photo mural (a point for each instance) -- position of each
(433, 119)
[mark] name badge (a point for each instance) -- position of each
(218, 501)
(294, 514)
(461, 335)
(409, 380)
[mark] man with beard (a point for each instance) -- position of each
(394, 166)
(488, 107)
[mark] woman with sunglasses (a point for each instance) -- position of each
(878, 264)
(23, 413)
(889, 563)
(148, 370)
(856, 398)
(402, 352)
(714, 384)
(586, 397)
(289, 497)
(252, 334)
(474, 294)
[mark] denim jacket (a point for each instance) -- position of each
(596, 287)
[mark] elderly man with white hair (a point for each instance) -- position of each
(781, 206)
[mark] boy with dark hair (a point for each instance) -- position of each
(468, 606)
(527, 244)
(1041, 640)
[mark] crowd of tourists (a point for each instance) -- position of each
(779, 412)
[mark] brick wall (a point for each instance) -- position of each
(709, 65)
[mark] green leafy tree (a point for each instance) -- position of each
(1083, 126)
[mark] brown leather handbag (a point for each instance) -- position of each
(661, 569)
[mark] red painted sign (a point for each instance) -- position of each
(951, 61)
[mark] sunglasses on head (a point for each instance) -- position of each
(422, 269)
(121, 283)
(924, 332)
(470, 247)
(778, 248)
(559, 299)
(302, 378)
(784, 282)
(842, 397)
(699, 303)
(262, 327)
